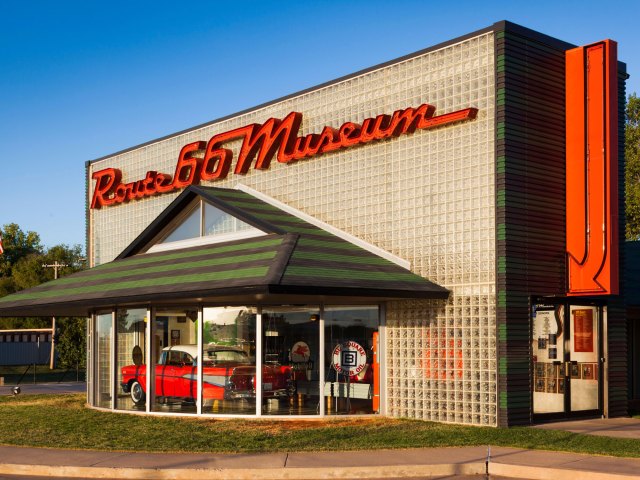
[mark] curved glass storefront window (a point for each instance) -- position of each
(238, 360)
(103, 380)
(229, 360)
(130, 359)
(352, 367)
(290, 371)
(174, 355)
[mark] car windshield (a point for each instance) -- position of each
(225, 356)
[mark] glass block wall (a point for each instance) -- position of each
(427, 197)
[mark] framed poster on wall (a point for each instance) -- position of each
(583, 330)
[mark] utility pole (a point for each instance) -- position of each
(55, 267)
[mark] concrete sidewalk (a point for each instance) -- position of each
(604, 427)
(412, 463)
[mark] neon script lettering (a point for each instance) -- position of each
(210, 161)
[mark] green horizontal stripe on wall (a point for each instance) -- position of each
(502, 299)
(132, 285)
(501, 232)
(172, 255)
(319, 272)
(502, 332)
(504, 399)
(173, 267)
(365, 260)
(502, 366)
(502, 264)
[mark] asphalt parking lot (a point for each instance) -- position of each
(45, 388)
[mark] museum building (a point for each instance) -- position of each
(438, 237)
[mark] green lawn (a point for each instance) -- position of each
(63, 421)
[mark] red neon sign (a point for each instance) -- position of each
(592, 169)
(210, 161)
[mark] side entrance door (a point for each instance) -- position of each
(567, 362)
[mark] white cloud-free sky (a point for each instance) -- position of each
(81, 80)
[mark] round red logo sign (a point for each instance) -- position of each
(349, 358)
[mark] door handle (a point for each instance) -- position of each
(567, 367)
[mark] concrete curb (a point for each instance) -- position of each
(546, 473)
(416, 463)
(315, 473)
(286, 473)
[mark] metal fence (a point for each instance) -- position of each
(25, 353)
(25, 347)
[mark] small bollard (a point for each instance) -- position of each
(1, 381)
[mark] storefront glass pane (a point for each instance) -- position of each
(229, 360)
(583, 355)
(290, 373)
(566, 368)
(548, 341)
(130, 357)
(352, 365)
(104, 331)
(174, 354)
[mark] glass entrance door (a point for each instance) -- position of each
(584, 367)
(566, 366)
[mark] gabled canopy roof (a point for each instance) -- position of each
(294, 261)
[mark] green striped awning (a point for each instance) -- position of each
(292, 258)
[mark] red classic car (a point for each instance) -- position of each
(227, 374)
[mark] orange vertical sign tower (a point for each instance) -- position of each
(592, 169)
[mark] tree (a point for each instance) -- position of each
(632, 168)
(64, 254)
(72, 344)
(17, 244)
(23, 266)
(28, 271)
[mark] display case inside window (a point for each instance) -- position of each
(130, 359)
(352, 370)
(291, 369)
(174, 352)
(103, 367)
(229, 360)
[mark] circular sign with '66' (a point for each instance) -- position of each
(349, 358)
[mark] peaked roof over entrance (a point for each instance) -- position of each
(293, 262)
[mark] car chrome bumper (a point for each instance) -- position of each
(240, 394)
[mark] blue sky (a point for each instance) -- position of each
(81, 80)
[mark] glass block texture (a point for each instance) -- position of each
(217, 222)
(427, 197)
